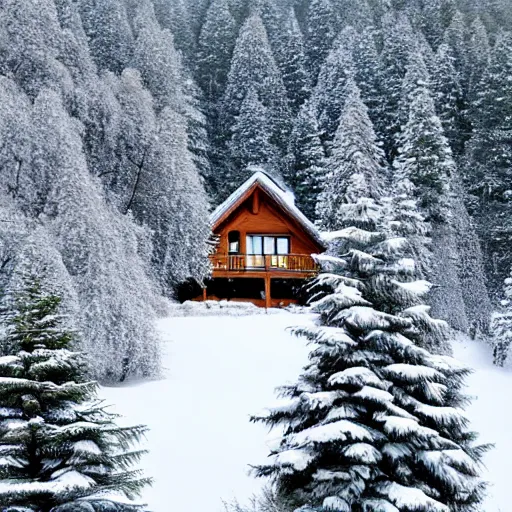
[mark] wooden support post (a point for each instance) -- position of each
(268, 298)
(205, 294)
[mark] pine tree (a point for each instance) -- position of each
(250, 143)
(424, 153)
(355, 171)
(478, 55)
(215, 48)
(65, 446)
(253, 66)
(291, 58)
(502, 328)
(455, 38)
(328, 96)
(320, 33)
(110, 35)
(488, 161)
(448, 97)
(398, 39)
(367, 72)
(374, 422)
(304, 170)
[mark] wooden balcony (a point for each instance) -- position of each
(300, 266)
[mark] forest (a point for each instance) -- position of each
(123, 123)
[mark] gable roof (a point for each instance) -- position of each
(282, 197)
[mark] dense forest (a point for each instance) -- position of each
(123, 122)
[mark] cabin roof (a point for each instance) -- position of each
(281, 196)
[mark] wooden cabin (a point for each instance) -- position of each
(264, 246)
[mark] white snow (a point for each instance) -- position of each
(220, 370)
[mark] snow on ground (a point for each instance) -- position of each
(491, 415)
(221, 369)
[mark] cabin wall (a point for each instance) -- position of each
(261, 217)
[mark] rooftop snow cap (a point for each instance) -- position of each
(284, 198)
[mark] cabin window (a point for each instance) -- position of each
(277, 247)
(234, 242)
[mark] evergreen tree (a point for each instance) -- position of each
(398, 39)
(367, 72)
(355, 168)
(488, 162)
(291, 58)
(424, 153)
(502, 328)
(328, 97)
(215, 48)
(478, 55)
(110, 35)
(304, 170)
(253, 66)
(65, 446)
(250, 144)
(320, 33)
(374, 422)
(448, 97)
(455, 38)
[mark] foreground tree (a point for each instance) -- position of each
(59, 444)
(374, 422)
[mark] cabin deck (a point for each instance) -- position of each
(266, 268)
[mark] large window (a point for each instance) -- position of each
(259, 246)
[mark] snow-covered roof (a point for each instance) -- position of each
(284, 198)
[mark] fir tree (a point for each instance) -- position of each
(424, 156)
(65, 446)
(398, 39)
(250, 144)
(320, 33)
(304, 170)
(328, 97)
(108, 29)
(455, 38)
(292, 62)
(478, 55)
(355, 168)
(488, 162)
(502, 328)
(214, 49)
(375, 421)
(253, 66)
(448, 97)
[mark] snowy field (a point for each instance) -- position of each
(221, 369)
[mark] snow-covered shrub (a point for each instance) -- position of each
(58, 442)
(375, 421)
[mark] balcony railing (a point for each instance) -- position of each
(267, 263)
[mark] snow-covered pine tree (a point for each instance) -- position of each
(304, 169)
(355, 170)
(375, 421)
(321, 30)
(455, 38)
(478, 56)
(59, 443)
(488, 163)
(250, 143)
(425, 158)
(328, 96)
(291, 59)
(110, 35)
(447, 88)
(215, 48)
(502, 327)
(398, 39)
(252, 67)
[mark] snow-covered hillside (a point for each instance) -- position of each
(221, 369)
